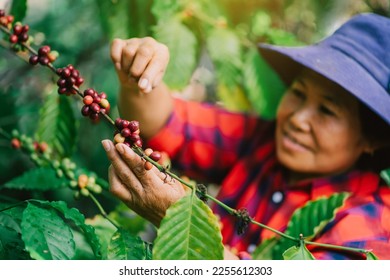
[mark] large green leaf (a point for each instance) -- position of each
(46, 235)
(40, 179)
(125, 246)
(19, 9)
(11, 245)
(189, 231)
(310, 219)
(298, 253)
(57, 124)
(263, 86)
(182, 45)
(78, 219)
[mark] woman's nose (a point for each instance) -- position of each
(301, 118)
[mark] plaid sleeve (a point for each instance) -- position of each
(204, 140)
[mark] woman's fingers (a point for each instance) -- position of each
(123, 171)
(141, 59)
(117, 188)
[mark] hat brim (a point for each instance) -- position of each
(332, 64)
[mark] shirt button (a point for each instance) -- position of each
(277, 197)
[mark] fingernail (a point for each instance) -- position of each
(106, 145)
(149, 89)
(143, 83)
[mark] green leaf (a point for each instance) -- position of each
(114, 17)
(104, 230)
(265, 250)
(39, 179)
(310, 219)
(263, 86)
(46, 235)
(125, 246)
(19, 9)
(166, 9)
(371, 256)
(182, 46)
(385, 174)
(78, 219)
(11, 245)
(298, 253)
(189, 231)
(57, 124)
(224, 48)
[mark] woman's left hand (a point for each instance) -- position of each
(148, 192)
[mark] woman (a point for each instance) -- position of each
(331, 134)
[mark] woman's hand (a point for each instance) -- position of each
(148, 192)
(140, 61)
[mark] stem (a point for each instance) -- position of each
(102, 211)
(357, 250)
(275, 231)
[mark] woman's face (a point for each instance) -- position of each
(318, 129)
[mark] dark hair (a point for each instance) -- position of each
(377, 132)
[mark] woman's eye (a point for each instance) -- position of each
(326, 111)
(298, 93)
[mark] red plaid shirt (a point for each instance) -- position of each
(237, 151)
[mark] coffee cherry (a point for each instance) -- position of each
(85, 110)
(94, 116)
(87, 100)
(44, 60)
(148, 165)
(18, 29)
(89, 91)
(33, 60)
(43, 146)
(125, 132)
(44, 51)
(125, 123)
(82, 181)
(62, 90)
(104, 103)
(95, 107)
(148, 151)
(119, 138)
(156, 156)
(118, 123)
(52, 56)
(133, 126)
(13, 39)
(15, 143)
(138, 143)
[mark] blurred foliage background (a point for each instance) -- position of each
(213, 58)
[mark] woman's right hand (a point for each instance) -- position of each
(139, 62)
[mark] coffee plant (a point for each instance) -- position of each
(35, 228)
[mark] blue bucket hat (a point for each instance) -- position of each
(356, 57)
